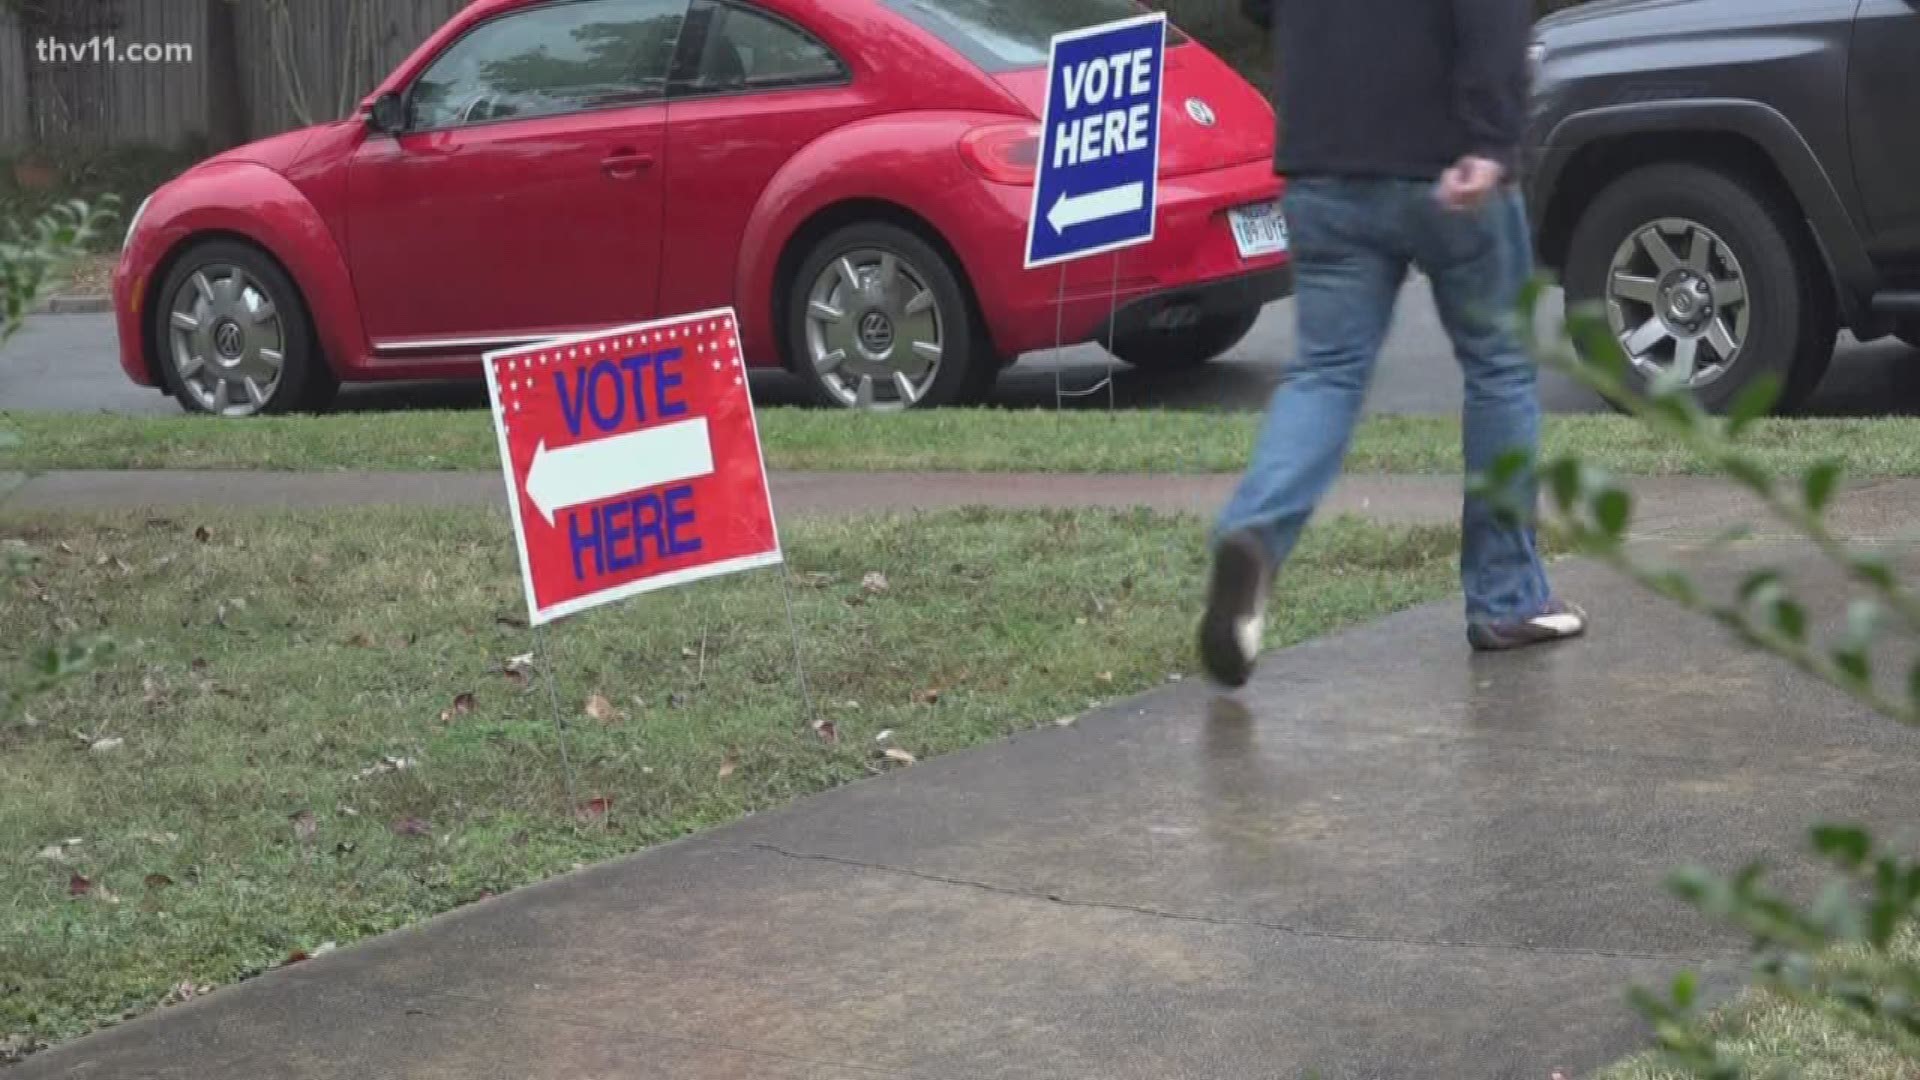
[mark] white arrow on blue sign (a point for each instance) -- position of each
(1099, 166)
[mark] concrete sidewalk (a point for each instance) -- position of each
(1387, 859)
(1672, 506)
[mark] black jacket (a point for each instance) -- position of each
(1396, 88)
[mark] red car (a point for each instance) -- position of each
(853, 176)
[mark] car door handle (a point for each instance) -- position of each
(626, 164)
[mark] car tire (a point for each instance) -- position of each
(1759, 280)
(878, 319)
(1175, 350)
(234, 337)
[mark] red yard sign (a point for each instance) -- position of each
(632, 461)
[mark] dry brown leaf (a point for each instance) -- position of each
(817, 579)
(826, 730)
(102, 746)
(462, 705)
(894, 753)
(411, 826)
(600, 709)
(875, 582)
(158, 881)
(78, 885)
(305, 826)
(362, 640)
(929, 696)
(1105, 676)
(728, 764)
(594, 809)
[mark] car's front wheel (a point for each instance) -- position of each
(879, 320)
(1701, 274)
(234, 335)
(1173, 350)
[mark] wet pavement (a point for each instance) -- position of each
(1385, 858)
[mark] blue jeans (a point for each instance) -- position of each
(1353, 242)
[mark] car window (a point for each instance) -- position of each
(556, 58)
(746, 49)
(1006, 35)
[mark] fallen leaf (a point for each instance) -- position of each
(158, 881)
(885, 734)
(462, 705)
(410, 826)
(68, 548)
(728, 764)
(687, 652)
(594, 809)
(185, 991)
(517, 678)
(361, 640)
(102, 746)
(79, 886)
(1105, 676)
(514, 622)
(894, 753)
(325, 947)
(600, 709)
(1081, 621)
(297, 956)
(305, 826)
(158, 838)
(926, 697)
(198, 665)
(817, 579)
(827, 731)
(875, 582)
(385, 765)
(1066, 721)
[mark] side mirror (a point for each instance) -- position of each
(389, 114)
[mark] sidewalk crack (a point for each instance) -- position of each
(1255, 924)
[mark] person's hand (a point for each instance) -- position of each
(1470, 183)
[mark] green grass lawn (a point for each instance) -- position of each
(315, 728)
(954, 440)
(1774, 1037)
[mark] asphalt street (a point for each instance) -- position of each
(67, 363)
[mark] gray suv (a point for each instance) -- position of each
(1733, 180)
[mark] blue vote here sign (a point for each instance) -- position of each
(1099, 142)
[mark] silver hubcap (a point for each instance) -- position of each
(874, 331)
(1677, 300)
(228, 342)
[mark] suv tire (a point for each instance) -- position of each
(1684, 258)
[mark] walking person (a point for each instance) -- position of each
(1399, 127)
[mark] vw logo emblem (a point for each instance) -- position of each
(876, 333)
(1201, 112)
(229, 340)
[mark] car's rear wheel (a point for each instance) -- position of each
(878, 320)
(1698, 272)
(1173, 350)
(234, 335)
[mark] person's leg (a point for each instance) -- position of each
(1347, 277)
(1478, 263)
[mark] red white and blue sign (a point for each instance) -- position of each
(1099, 166)
(633, 461)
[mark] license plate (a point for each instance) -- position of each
(1259, 229)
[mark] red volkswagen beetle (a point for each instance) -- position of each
(854, 176)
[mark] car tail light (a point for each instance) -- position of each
(1003, 153)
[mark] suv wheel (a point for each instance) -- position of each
(878, 321)
(234, 335)
(1698, 272)
(1174, 350)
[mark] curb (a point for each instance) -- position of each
(76, 305)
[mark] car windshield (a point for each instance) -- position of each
(1006, 35)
